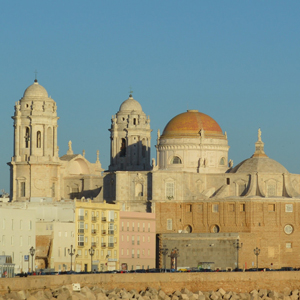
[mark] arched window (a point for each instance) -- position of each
(176, 160)
(222, 161)
(27, 137)
(38, 139)
(123, 148)
(139, 190)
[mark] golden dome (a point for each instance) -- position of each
(190, 123)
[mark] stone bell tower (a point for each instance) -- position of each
(35, 163)
(130, 136)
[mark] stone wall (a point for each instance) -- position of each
(168, 282)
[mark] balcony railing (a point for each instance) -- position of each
(103, 245)
(110, 245)
(103, 231)
(94, 219)
(103, 219)
(94, 231)
(110, 231)
(80, 230)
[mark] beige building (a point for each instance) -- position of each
(37, 171)
(194, 188)
(97, 234)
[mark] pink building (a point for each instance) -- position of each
(137, 240)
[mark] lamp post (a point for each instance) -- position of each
(32, 251)
(238, 246)
(164, 252)
(71, 253)
(91, 252)
(256, 252)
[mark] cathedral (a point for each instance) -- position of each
(196, 193)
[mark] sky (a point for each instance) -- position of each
(237, 61)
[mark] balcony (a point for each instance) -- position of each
(94, 219)
(80, 230)
(80, 244)
(80, 218)
(110, 231)
(103, 219)
(94, 244)
(103, 245)
(94, 231)
(111, 245)
(103, 231)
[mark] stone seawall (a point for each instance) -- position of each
(239, 282)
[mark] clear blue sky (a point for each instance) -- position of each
(237, 61)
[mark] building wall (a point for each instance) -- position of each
(100, 232)
(137, 240)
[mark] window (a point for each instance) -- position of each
(132, 240)
(65, 252)
(138, 240)
(138, 229)
(176, 160)
(222, 161)
(148, 227)
(132, 253)
(27, 137)
(288, 245)
(59, 233)
(132, 226)
(271, 207)
(115, 253)
(81, 240)
(123, 148)
(170, 190)
(289, 208)
(138, 253)
(23, 191)
(188, 208)
(215, 208)
(271, 190)
(127, 252)
(148, 239)
(127, 226)
(38, 139)
(122, 226)
(169, 224)
(242, 207)
(127, 238)
(143, 227)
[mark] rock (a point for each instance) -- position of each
(184, 297)
(161, 294)
(100, 296)
(201, 297)
(221, 291)
(174, 297)
(87, 293)
(287, 291)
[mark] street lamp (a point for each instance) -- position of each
(91, 252)
(238, 246)
(256, 252)
(71, 253)
(32, 251)
(164, 252)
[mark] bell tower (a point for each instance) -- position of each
(130, 136)
(35, 146)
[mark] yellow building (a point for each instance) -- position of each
(97, 236)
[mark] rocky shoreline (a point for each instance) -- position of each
(74, 292)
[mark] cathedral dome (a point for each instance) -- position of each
(130, 104)
(190, 123)
(260, 165)
(35, 90)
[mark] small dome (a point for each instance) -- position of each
(190, 123)
(35, 90)
(130, 104)
(260, 165)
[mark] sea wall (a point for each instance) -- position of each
(239, 282)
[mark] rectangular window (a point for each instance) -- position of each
(289, 208)
(242, 207)
(143, 227)
(143, 239)
(188, 208)
(170, 190)
(148, 227)
(132, 226)
(122, 226)
(132, 240)
(65, 252)
(111, 216)
(138, 253)
(115, 253)
(138, 240)
(81, 240)
(148, 239)
(169, 224)
(132, 253)
(271, 207)
(23, 191)
(215, 208)
(288, 245)
(122, 251)
(127, 252)
(127, 226)
(138, 229)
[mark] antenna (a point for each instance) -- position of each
(35, 72)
